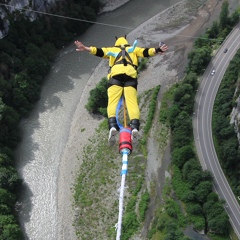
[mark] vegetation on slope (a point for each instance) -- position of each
(188, 198)
(96, 195)
(25, 57)
(226, 140)
(192, 186)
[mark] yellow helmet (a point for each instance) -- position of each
(121, 41)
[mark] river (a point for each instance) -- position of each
(45, 132)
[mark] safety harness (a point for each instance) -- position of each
(126, 59)
(123, 57)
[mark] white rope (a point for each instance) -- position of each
(125, 154)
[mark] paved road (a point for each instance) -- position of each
(202, 124)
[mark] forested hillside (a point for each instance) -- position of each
(26, 54)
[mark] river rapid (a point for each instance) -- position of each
(46, 131)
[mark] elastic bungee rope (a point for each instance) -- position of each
(124, 152)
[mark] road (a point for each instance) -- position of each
(202, 124)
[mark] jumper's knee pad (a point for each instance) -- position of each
(134, 123)
(112, 122)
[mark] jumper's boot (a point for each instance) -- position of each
(135, 124)
(113, 129)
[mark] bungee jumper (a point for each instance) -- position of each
(122, 91)
(122, 80)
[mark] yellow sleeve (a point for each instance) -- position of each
(145, 52)
(100, 52)
(93, 50)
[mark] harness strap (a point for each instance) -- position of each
(123, 53)
(123, 81)
(126, 59)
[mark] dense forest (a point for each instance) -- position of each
(226, 140)
(26, 54)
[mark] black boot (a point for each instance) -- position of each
(112, 122)
(135, 124)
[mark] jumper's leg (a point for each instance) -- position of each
(135, 124)
(113, 129)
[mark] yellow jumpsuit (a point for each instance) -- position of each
(115, 91)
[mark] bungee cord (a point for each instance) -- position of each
(125, 149)
(125, 154)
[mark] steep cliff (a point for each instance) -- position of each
(13, 7)
(26, 7)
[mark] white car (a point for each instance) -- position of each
(213, 72)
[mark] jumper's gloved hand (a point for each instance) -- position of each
(162, 48)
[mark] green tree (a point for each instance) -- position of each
(6, 157)
(188, 196)
(20, 102)
(191, 165)
(98, 97)
(7, 198)
(143, 205)
(173, 112)
(37, 68)
(9, 119)
(2, 105)
(129, 225)
(173, 232)
(5, 65)
(202, 41)
(194, 178)
(213, 209)
(5, 210)
(183, 122)
(192, 79)
(207, 176)
(202, 190)
(181, 91)
(219, 224)
(174, 235)
(25, 93)
(49, 51)
(9, 230)
(9, 178)
(212, 197)
(181, 137)
(195, 209)
(199, 57)
(223, 19)
(172, 208)
(214, 30)
(181, 155)
(234, 18)
(230, 152)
